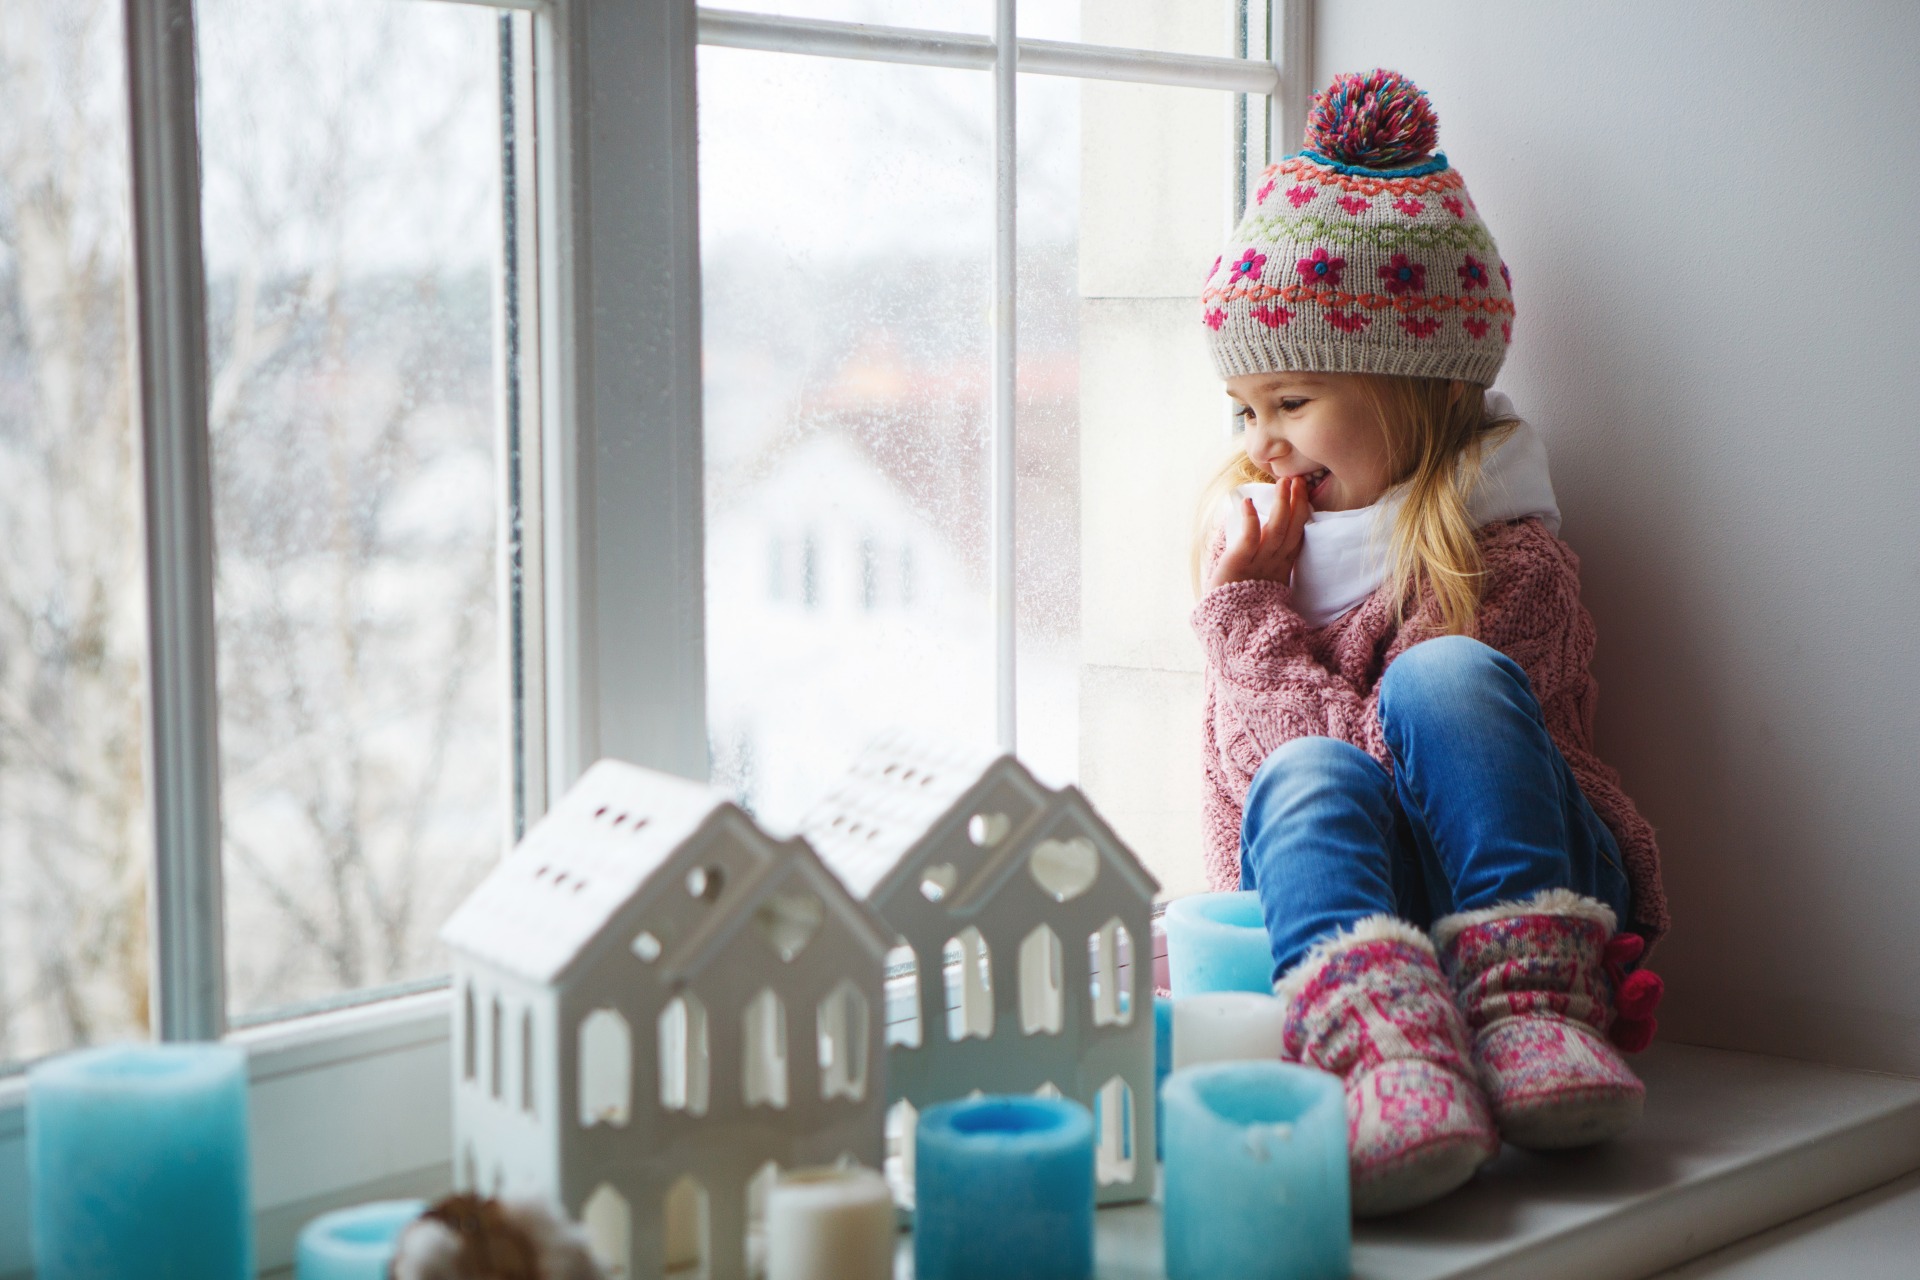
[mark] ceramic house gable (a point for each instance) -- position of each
(1066, 850)
(915, 817)
(656, 955)
(552, 897)
(1019, 914)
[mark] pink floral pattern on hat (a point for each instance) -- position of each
(1403, 275)
(1321, 267)
(1473, 273)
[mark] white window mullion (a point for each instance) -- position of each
(620, 386)
(517, 338)
(1005, 329)
(1290, 42)
(182, 714)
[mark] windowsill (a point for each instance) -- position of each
(352, 1106)
(1731, 1144)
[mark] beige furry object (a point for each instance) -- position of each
(468, 1237)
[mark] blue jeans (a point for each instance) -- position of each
(1481, 808)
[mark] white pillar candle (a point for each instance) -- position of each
(830, 1224)
(1227, 1026)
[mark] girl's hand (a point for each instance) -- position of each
(1268, 554)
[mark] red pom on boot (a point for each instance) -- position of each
(1635, 995)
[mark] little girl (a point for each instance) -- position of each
(1399, 727)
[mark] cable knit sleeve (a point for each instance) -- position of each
(1266, 676)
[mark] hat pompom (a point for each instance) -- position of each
(1377, 119)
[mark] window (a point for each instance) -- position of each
(992, 540)
(457, 560)
(74, 839)
(351, 170)
(344, 416)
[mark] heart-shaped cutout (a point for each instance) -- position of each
(1065, 868)
(988, 829)
(937, 881)
(788, 922)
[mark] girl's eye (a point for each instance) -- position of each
(1243, 411)
(1291, 404)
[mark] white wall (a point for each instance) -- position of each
(1709, 210)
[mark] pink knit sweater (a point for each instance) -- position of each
(1270, 679)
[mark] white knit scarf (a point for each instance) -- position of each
(1343, 560)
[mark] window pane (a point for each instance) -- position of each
(1123, 205)
(846, 223)
(352, 167)
(74, 839)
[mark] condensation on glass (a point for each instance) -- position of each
(352, 153)
(1124, 201)
(846, 223)
(75, 842)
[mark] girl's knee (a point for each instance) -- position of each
(1310, 764)
(1443, 669)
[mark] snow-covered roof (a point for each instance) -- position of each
(553, 895)
(898, 788)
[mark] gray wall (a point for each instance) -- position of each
(1709, 210)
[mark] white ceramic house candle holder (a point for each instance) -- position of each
(1021, 927)
(657, 1008)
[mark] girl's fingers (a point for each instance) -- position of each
(1298, 514)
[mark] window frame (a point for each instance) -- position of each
(613, 593)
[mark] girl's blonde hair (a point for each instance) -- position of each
(1435, 442)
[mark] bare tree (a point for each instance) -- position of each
(352, 425)
(73, 843)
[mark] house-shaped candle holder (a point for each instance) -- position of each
(1020, 925)
(657, 1007)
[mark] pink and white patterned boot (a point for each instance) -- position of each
(1531, 980)
(1371, 1006)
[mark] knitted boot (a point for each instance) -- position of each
(1370, 1006)
(1530, 977)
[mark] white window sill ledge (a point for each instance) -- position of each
(353, 1106)
(1731, 1144)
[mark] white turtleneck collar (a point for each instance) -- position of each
(1343, 560)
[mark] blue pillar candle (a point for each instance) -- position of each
(1218, 942)
(137, 1162)
(353, 1244)
(1256, 1173)
(1162, 1064)
(1003, 1190)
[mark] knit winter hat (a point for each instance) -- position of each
(1363, 253)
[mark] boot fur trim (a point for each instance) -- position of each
(1548, 902)
(1379, 928)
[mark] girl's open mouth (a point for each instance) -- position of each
(1315, 480)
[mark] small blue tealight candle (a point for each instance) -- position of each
(1256, 1173)
(353, 1244)
(137, 1163)
(1003, 1190)
(1218, 942)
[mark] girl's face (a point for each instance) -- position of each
(1319, 425)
